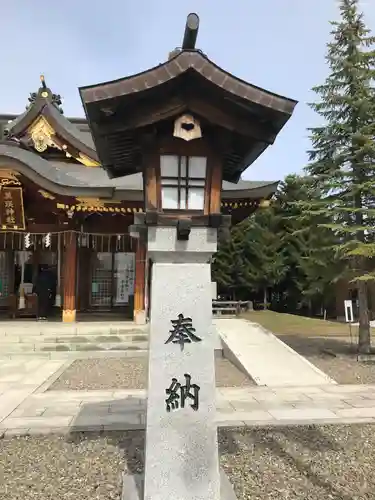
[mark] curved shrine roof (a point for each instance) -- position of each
(183, 61)
(45, 103)
(74, 179)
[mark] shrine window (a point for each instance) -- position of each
(183, 180)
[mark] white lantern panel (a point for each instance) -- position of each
(169, 197)
(196, 198)
(169, 166)
(197, 166)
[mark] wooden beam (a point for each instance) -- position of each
(69, 277)
(151, 180)
(223, 118)
(142, 115)
(33, 227)
(147, 114)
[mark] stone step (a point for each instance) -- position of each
(56, 329)
(74, 339)
(69, 347)
(74, 354)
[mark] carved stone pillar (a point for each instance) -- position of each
(140, 283)
(69, 277)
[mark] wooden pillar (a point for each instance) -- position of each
(215, 187)
(140, 283)
(58, 270)
(69, 277)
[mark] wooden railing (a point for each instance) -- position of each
(230, 307)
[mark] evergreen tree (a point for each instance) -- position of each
(342, 159)
(318, 264)
(313, 267)
(262, 253)
(290, 216)
(226, 265)
(252, 261)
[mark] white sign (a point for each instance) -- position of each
(348, 305)
(214, 290)
(125, 274)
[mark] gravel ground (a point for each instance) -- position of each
(53, 469)
(344, 368)
(131, 373)
(310, 462)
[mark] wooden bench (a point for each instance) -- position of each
(229, 307)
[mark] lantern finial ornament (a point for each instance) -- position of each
(187, 127)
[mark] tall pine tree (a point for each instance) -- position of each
(312, 266)
(262, 253)
(252, 261)
(227, 264)
(342, 159)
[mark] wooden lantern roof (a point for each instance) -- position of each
(242, 118)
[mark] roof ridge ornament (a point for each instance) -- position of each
(45, 93)
(191, 32)
(42, 79)
(190, 35)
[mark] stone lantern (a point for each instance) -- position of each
(187, 125)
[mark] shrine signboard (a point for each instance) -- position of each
(12, 216)
(124, 277)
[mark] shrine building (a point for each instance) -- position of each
(61, 206)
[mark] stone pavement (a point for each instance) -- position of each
(69, 411)
(267, 359)
(21, 378)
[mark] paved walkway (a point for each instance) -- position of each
(67, 411)
(265, 358)
(21, 378)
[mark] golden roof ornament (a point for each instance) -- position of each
(46, 93)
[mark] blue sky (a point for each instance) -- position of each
(275, 44)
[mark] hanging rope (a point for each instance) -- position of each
(108, 242)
